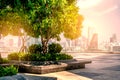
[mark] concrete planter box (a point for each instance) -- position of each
(42, 69)
(64, 65)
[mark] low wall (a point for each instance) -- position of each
(70, 65)
(42, 69)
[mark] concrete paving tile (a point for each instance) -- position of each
(103, 67)
(63, 75)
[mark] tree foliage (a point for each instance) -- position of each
(8, 21)
(44, 18)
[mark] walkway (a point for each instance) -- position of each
(103, 67)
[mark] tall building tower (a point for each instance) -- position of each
(113, 39)
(94, 42)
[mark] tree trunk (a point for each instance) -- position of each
(44, 45)
(23, 47)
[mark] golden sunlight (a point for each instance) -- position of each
(101, 16)
(88, 3)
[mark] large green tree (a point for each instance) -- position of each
(46, 19)
(12, 22)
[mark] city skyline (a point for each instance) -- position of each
(102, 16)
(96, 19)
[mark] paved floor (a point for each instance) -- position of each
(103, 67)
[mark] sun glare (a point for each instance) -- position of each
(88, 3)
(88, 24)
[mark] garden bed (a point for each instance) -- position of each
(62, 65)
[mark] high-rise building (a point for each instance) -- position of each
(113, 39)
(94, 42)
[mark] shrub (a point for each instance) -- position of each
(2, 73)
(21, 55)
(4, 60)
(63, 56)
(16, 56)
(46, 57)
(39, 57)
(26, 57)
(35, 48)
(0, 58)
(54, 48)
(13, 56)
(11, 70)
(8, 71)
(35, 57)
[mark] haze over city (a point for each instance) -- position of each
(102, 17)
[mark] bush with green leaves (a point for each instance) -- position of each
(35, 48)
(63, 56)
(8, 71)
(26, 57)
(2, 73)
(16, 56)
(39, 57)
(4, 60)
(54, 48)
(13, 56)
(47, 57)
(0, 58)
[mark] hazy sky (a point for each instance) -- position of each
(102, 16)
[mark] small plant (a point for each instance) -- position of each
(4, 60)
(48, 57)
(26, 57)
(63, 56)
(0, 58)
(8, 71)
(13, 56)
(39, 57)
(35, 57)
(21, 55)
(2, 73)
(35, 48)
(54, 48)
(16, 56)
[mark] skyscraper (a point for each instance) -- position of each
(94, 42)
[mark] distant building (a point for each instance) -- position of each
(113, 39)
(94, 42)
(14, 43)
